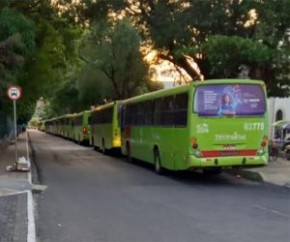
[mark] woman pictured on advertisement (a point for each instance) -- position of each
(226, 107)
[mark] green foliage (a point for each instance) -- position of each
(48, 71)
(95, 11)
(17, 43)
(65, 99)
(39, 46)
(4, 4)
(94, 86)
(165, 28)
(11, 61)
(37, 55)
(12, 23)
(115, 51)
(44, 70)
(34, 122)
(225, 54)
(251, 33)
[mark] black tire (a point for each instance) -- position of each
(157, 163)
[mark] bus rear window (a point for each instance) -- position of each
(229, 100)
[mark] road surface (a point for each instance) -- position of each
(92, 197)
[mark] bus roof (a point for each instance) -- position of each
(82, 113)
(184, 88)
(105, 106)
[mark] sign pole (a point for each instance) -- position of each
(15, 130)
(14, 93)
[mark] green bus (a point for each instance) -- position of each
(49, 126)
(63, 126)
(105, 127)
(81, 127)
(54, 126)
(207, 125)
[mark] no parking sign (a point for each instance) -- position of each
(14, 92)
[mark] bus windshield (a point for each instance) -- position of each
(230, 100)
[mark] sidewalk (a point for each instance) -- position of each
(276, 173)
(15, 195)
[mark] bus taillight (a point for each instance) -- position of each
(194, 142)
(85, 132)
(264, 141)
(194, 145)
(264, 144)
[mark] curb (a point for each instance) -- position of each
(287, 186)
(256, 176)
(31, 228)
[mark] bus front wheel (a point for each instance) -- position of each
(157, 163)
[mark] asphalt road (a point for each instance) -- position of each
(92, 197)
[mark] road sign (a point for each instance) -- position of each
(14, 92)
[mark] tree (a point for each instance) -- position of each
(65, 99)
(45, 73)
(17, 43)
(179, 29)
(17, 40)
(114, 49)
(94, 86)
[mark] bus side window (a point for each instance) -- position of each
(129, 115)
(140, 114)
(158, 112)
(169, 109)
(180, 112)
(148, 113)
(134, 114)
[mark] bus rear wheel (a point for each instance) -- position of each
(157, 163)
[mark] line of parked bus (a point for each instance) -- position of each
(207, 125)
